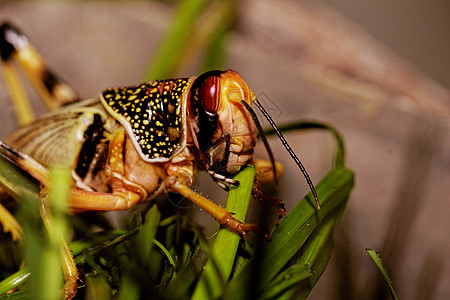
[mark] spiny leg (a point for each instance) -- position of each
(29, 165)
(177, 184)
(25, 162)
(264, 174)
(14, 46)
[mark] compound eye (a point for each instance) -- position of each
(209, 94)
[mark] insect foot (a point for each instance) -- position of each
(244, 229)
(70, 288)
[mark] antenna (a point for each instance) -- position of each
(263, 138)
(286, 145)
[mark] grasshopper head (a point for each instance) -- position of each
(223, 131)
(223, 126)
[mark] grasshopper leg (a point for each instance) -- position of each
(263, 175)
(15, 46)
(176, 183)
(25, 162)
(10, 224)
(29, 165)
(81, 200)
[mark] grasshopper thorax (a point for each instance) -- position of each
(222, 133)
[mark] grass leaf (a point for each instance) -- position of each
(14, 280)
(291, 234)
(171, 48)
(219, 266)
(376, 257)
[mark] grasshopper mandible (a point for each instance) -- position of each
(133, 143)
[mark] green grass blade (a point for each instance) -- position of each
(316, 253)
(171, 47)
(50, 274)
(14, 280)
(376, 257)
(147, 233)
(43, 250)
(218, 269)
(288, 279)
(15, 182)
(225, 11)
(292, 233)
(24, 189)
(129, 290)
(21, 295)
(313, 256)
(199, 29)
(97, 287)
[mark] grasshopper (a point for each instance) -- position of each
(133, 143)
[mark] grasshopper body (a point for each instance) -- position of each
(131, 139)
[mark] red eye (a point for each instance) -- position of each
(209, 94)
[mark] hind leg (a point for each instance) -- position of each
(9, 223)
(15, 48)
(30, 166)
